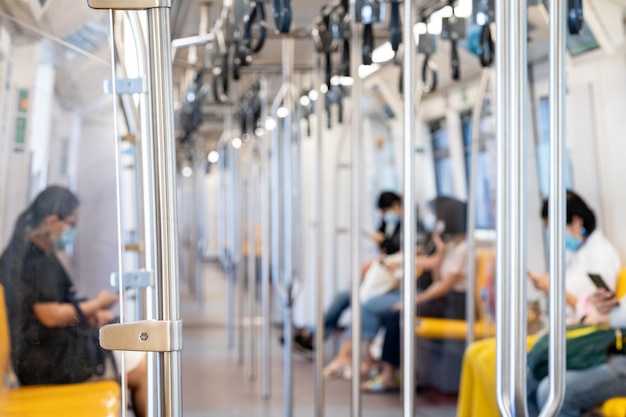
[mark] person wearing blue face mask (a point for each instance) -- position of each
(388, 235)
(587, 251)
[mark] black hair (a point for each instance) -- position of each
(575, 206)
(388, 199)
(452, 212)
(54, 200)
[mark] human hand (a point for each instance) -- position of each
(439, 243)
(101, 318)
(106, 299)
(397, 306)
(540, 281)
(604, 301)
(597, 318)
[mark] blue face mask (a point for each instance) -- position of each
(430, 222)
(572, 243)
(68, 236)
(391, 218)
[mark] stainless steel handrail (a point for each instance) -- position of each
(557, 209)
(318, 245)
(409, 221)
(355, 217)
(470, 313)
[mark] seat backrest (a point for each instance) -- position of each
(5, 345)
(620, 288)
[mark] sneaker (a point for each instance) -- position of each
(304, 341)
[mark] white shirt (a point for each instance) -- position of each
(596, 255)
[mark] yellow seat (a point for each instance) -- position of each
(477, 393)
(436, 328)
(88, 399)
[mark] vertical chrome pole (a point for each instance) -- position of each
(238, 218)
(557, 209)
(518, 204)
(288, 55)
(470, 313)
(265, 254)
(355, 200)
(251, 200)
(318, 242)
(169, 380)
(503, 285)
(408, 224)
(230, 210)
(148, 199)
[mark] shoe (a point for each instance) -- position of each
(304, 341)
(336, 369)
(376, 386)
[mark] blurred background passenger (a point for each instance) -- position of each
(51, 341)
(587, 251)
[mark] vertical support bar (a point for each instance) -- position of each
(166, 265)
(503, 287)
(355, 200)
(318, 242)
(470, 312)
(148, 200)
(118, 191)
(229, 211)
(518, 134)
(408, 224)
(265, 255)
(238, 219)
(288, 57)
(557, 209)
(251, 202)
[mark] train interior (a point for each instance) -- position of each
(73, 99)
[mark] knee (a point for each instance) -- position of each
(138, 376)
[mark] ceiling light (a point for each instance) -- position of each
(313, 95)
(213, 157)
(305, 101)
(236, 143)
(282, 112)
(187, 171)
(383, 53)
(270, 123)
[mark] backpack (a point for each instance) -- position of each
(586, 346)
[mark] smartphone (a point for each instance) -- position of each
(599, 282)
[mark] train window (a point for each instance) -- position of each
(543, 151)
(485, 191)
(441, 155)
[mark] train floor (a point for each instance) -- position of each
(216, 384)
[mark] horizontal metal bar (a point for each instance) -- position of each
(143, 336)
(124, 86)
(136, 279)
(193, 40)
(128, 4)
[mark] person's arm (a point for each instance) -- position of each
(52, 314)
(542, 282)
(439, 288)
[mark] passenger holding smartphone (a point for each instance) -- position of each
(587, 251)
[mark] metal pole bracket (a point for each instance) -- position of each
(128, 4)
(143, 336)
(136, 279)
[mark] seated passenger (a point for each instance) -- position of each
(587, 250)
(388, 240)
(587, 389)
(445, 297)
(47, 344)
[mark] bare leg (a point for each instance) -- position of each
(341, 360)
(138, 385)
(388, 375)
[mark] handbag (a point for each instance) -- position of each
(378, 280)
(97, 356)
(586, 346)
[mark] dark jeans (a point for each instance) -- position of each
(451, 306)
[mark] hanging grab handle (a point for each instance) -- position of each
(255, 18)
(368, 44)
(395, 27)
(575, 19)
(282, 15)
(454, 60)
(429, 68)
(486, 47)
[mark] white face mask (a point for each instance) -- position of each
(430, 222)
